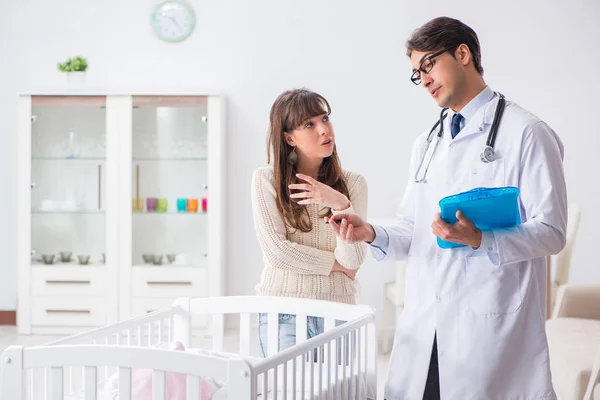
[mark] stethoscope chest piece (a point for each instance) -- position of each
(488, 154)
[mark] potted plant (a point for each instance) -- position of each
(75, 68)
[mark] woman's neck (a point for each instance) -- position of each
(309, 167)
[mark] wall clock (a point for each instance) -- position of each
(173, 20)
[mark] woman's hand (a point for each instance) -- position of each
(350, 273)
(315, 192)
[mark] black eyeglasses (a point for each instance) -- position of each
(426, 66)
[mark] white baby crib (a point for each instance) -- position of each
(111, 361)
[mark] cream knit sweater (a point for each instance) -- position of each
(298, 264)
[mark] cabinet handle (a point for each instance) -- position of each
(169, 283)
(67, 282)
(68, 311)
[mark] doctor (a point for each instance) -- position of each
(473, 320)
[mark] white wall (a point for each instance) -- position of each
(541, 54)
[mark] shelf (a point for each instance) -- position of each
(68, 159)
(167, 265)
(79, 212)
(41, 264)
(170, 159)
(168, 213)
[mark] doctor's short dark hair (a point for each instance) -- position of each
(445, 33)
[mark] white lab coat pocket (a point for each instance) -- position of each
(492, 290)
(487, 174)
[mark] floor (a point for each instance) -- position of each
(9, 336)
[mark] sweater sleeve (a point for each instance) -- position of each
(351, 256)
(271, 232)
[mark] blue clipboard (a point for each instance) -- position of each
(488, 208)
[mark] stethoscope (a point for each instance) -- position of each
(487, 155)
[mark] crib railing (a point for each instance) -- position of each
(343, 357)
(55, 359)
(337, 363)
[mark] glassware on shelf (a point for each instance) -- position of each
(72, 150)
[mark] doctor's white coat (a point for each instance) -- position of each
(486, 305)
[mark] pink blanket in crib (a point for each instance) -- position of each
(176, 383)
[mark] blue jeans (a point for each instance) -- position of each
(287, 331)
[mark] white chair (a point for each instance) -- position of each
(393, 305)
(563, 259)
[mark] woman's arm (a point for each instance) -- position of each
(271, 232)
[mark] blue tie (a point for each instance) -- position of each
(455, 128)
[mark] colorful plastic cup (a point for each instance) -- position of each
(204, 208)
(161, 205)
(151, 204)
(192, 205)
(181, 205)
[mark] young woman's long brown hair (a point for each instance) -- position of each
(289, 111)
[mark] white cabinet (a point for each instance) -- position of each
(121, 206)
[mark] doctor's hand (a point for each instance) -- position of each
(315, 192)
(462, 232)
(351, 228)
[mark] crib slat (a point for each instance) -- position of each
(124, 383)
(159, 389)
(329, 366)
(344, 366)
(245, 334)
(217, 331)
(193, 388)
(302, 377)
(285, 380)
(336, 364)
(351, 356)
(294, 377)
(275, 383)
(311, 360)
(359, 362)
(265, 390)
(91, 377)
(55, 383)
(150, 333)
(320, 360)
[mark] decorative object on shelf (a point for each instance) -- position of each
(157, 259)
(181, 205)
(148, 258)
(151, 204)
(48, 258)
(65, 256)
(137, 205)
(171, 258)
(161, 205)
(75, 68)
(173, 20)
(204, 205)
(72, 151)
(192, 205)
(84, 259)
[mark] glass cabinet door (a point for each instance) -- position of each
(169, 181)
(68, 169)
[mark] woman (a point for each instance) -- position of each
(292, 199)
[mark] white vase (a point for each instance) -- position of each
(76, 80)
